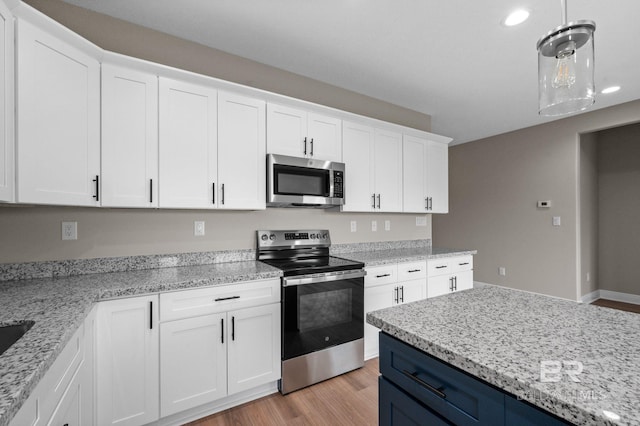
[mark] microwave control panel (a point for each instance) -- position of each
(338, 182)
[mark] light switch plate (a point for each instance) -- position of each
(69, 230)
(198, 228)
(387, 225)
(556, 221)
(421, 221)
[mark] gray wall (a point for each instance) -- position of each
(33, 233)
(589, 212)
(494, 185)
(619, 209)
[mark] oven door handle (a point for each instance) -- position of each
(322, 278)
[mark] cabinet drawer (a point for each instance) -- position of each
(460, 264)
(438, 267)
(452, 394)
(378, 275)
(398, 408)
(412, 270)
(211, 300)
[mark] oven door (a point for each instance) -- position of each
(318, 313)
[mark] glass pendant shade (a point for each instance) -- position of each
(565, 69)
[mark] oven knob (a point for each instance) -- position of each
(272, 237)
(324, 236)
(313, 236)
(264, 237)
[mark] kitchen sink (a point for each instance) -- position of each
(9, 334)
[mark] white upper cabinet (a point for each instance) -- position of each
(58, 119)
(437, 176)
(6, 105)
(129, 138)
(425, 175)
(188, 145)
(373, 171)
(298, 133)
(241, 152)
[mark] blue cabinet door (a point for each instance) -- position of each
(399, 409)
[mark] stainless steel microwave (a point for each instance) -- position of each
(304, 182)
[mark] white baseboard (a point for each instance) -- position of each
(591, 297)
(620, 297)
(480, 284)
(217, 406)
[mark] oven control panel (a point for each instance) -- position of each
(293, 238)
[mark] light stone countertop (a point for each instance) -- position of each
(384, 257)
(501, 336)
(59, 306)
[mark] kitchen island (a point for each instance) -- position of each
(580, 363)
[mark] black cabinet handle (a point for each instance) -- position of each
(233, 328)
(305, 146)
(213, 186)
(440, 267)
(151, 190)
(413, 376)
(426, 204)
(462, 264)
(383, 275)
(411, 271)
(222, 330)
(97, 181)
(373, 201)
(402, 294)
(150, 315)
(312, 147)
(222, 195)
(450, 283)
(226, 298)
(395, 294)
(378, 200)
(430, 203)
(455, 283)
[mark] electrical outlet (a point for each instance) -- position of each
(198, 228)
(556, 221)
(421, 221)
(69, 230)
(387, 225)
(374, 225)
(588, 277)
(502, 271)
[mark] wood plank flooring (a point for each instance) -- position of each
(629, 307)
(347, 400)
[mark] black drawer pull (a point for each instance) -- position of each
(413, 270)
(440, 267)
(219, 299)
(424, 384)
(462, 264)
(383, 275)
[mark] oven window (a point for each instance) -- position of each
(320, 315)
(291, 180)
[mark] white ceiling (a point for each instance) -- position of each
(451, 59)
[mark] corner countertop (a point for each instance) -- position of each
(501, 336)
(386, 256)
(59, 306)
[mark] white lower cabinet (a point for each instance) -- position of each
(390, 285)
(448, 275)
(127, 361)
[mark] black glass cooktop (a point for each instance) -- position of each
(313, 265)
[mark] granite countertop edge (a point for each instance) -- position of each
(59, 306)
(386, 257)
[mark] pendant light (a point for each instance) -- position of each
(565, 67)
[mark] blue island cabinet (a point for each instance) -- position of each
(418, 389)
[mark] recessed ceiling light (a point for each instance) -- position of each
(516, 17)
(610, 89)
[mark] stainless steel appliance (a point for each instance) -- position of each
(304, 182)
(322, 307)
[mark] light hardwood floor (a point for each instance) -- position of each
(350, 399)
(629, 307)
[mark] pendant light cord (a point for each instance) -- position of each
(563, 11)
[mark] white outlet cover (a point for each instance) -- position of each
(69, 230)
(556, 221)
(354, 226)
(374, 225)
(387, 225)
(198, 228)
(421, 221)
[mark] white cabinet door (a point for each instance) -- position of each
(410, 291)
(463, 280)
(357, 154)
(437, 176)
(129, 138)
(325, 137)
(253, 347)
(69, 411)
(388, 171)
(375, 298)
(414, 156)
(58, 107)
(193, 362)
(438, 285)
(188, 145)
(286, 131)
(127, 361)
(241, 152)
(7, 83)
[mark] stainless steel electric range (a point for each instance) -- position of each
(322, 306)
